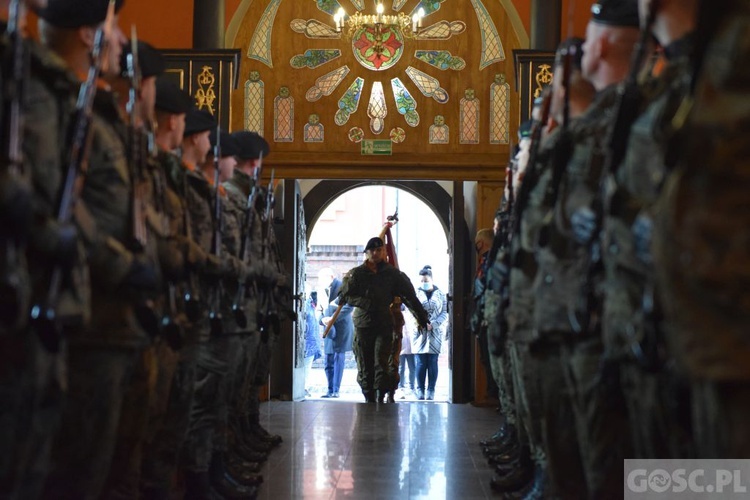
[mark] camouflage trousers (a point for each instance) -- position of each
(527, 389)
(720, 411)
(600, 417)
(372, 350)
(125, 472)
(169, 415)
(32, 391)
(558, 432)
(501, 372)
(243, 377)
(98, 379)
(208, 412)
(658, 412)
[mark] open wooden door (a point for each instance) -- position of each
(287, 369)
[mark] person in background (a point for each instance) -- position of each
(428, 340)
(337, 344)
(406, 358)
(312, 347)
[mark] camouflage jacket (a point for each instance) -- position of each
(371, 293)
(563, 263)
(631, 192)
(701, 228)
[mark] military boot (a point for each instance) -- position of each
(257, 430)
(520, 474)
(236, 463)
(369, 396)
(219, 471)
(498, 436)
(532, 491)
(252, 440)
(226, 486)
(198, 487)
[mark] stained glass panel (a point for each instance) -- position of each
(428, 85)
(405, 103)
(469, 126)
(377, 109)
(260, 44)
(283, 118)
(254, 104)
(492, 46)
(349, 102)
(326, 84)
(499, 111)
(312, 58)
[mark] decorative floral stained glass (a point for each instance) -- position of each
(313, 28)
(441, 59)
(378, 51)
(349, 102)
(469, 130)
(326, 84)
(328, 6)
(377, 109)
(428, 85)
(398, 135)
(429, 7)
(358, 4)
(312, 58)
(439, 132)
(405, 103)
(260, 44)
(356, 134)
(492, 46)
(254, 103)
(283, 116)
(314, 131)
(499, 110)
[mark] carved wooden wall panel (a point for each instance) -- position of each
(387, 85)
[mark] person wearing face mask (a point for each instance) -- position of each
(427, 341)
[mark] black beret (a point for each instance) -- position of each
(228, 144)
(251, 145)
(171, 98)
(197, 121)
(76, 13)
(573, 46)
(622, 13)
(373, 243)
(149, 59)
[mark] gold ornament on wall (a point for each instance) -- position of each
(205, 95)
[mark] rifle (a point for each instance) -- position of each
(16, 195)
(214, 313)
(44, 317)
(584, 317)
(237, 306)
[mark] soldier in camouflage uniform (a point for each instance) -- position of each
(564, 279)
(246, 201)
(173, 393)
(652, 389)
(371, 288)
(32, 380)
(102, 358)
(701, 236)
(212, 357)
(543, 409)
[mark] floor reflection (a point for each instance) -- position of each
(364, 451)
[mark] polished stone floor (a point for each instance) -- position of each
(343, 449)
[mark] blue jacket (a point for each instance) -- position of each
(312, 344)
(340, 336)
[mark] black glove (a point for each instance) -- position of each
(141, 277)
(66, 250)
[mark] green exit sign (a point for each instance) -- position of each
(377, 147)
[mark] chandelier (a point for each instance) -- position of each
(378, 23)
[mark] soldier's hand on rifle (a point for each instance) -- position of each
(141, 277)
(643, 228)
(583, 222)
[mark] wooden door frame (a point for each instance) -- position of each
(444, 206)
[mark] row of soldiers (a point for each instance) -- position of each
(141, 285)
(617, 291)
